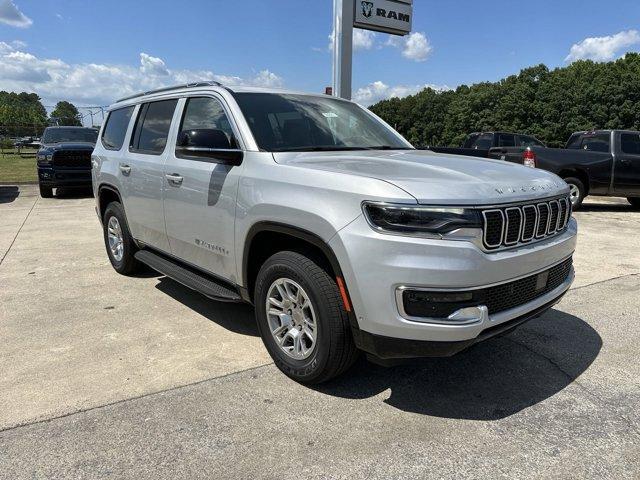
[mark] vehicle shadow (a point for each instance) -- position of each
(493, 380)
(73, 192)
(9, 193)
(235, 317)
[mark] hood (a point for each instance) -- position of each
(434, 178)
(69, 146)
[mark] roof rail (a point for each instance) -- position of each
(209, 83)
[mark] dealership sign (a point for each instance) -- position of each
(388, 16)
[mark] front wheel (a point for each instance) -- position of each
(302, 319)
(635, 202)
(45, 191)
(577, 191)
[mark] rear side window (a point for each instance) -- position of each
(506, 140)
(483, 142)
(527, 141)
(152, 127)
(597, 143)
(630, 143)
(574, 141)
(470, 140)
(116, 128)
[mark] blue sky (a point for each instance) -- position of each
(90, 52)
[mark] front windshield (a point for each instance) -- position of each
(58, 135)
(287, 123)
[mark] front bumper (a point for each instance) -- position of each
(59, 177)
(376, 265)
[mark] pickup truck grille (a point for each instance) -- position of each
(521, 224)
(72, 159)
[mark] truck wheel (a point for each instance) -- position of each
(46, 192)
(577, 191)
(635, 202)
(302, 319)
(118, 241)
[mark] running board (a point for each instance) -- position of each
(189, 277)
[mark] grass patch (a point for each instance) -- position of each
(19, 168)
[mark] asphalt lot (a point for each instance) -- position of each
(103, 376)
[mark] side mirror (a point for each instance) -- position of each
(208, 144)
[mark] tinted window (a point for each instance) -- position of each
(207, 113)
(483, 142)
(62, 134)
(506, 140)
(596, 143)
(630, 143)
(527, 141)
(574, 141)
(468, 143)
(116, 128)
(283, 122)
(152, 127)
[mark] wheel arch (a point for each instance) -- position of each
(277, 237)
(580, 174)
(106, 194)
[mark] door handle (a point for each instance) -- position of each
(125, 169)
(174, 179)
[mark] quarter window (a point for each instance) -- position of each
(597, 143)
(152, 127)
(506, 140)
(116, 128)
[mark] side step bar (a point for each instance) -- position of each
(189, 277)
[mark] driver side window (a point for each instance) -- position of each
(206, 113)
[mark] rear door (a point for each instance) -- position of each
(626, 176)
(200, 193)
(142, 166)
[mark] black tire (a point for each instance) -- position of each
(334, 350)
(128, 264)
(582, 191)
(635, 202)
(46, 192)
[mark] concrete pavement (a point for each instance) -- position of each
(103, 376)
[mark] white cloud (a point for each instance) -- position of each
(377, 91)
(415, 46)
(10, 15)
(362, 39)
(602, 49)
(152, 65)
(101, 84)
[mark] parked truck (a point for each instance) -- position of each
(479, 144)
(600, 162)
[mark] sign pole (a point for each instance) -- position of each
(342, 47)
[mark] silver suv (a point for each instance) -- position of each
(342, 235)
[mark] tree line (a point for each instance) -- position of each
(22, 114)
(549, 104)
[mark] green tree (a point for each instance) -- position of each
(21, 114)
(550, 104)
(65, 114)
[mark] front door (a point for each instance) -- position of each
(200, 194)
(626, 176)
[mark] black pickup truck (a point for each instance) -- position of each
(479, 144)
(600, 162)
(64, 158)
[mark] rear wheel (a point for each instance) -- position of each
(635, 202)
(302, 319)
(46, 192)
(118, 240)
(577, 191)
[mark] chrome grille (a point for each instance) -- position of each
(520, 224)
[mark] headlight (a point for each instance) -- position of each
(44, 157)
(420, 220)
